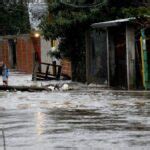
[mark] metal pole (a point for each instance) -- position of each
(108, 58)
(4, 143)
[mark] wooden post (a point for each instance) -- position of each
(47, 69)
(54, 68)
(35, 68)
(88, 42)
(130, 57)
(58, 72)
(108, 64)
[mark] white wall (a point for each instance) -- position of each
(45, 47)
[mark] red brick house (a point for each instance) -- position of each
(18, 51)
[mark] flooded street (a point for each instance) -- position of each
(78, 119)
(74, 75)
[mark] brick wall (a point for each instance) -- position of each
(25, 46)
(24, 52)
(66, 67)
(1, 55)
(4, 56)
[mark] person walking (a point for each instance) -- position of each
(5, 73)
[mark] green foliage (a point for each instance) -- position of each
(136, 12)
(55, 54)
(70, 23)
(14, 18)
(127, 8)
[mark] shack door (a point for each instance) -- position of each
(98, 58)
(12, 53)
(117, 48)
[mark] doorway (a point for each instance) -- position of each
(12, 53)
(117, 47)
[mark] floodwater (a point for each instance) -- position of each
(85, 119)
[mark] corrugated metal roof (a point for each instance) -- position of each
(111, 23)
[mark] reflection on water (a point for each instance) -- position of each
(83, 119)
(40, 122)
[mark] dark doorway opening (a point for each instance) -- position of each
(118, 70)
(12, 53)
(138, 61)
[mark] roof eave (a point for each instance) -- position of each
(111, 23)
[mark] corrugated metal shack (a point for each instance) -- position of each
(118, 53)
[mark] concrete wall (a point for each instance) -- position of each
(45, 47)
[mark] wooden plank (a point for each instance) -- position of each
(42, 63)
(127, 58)
(54, 68)
(58, 73)
(22, 88)
(108, 59)
(88, 44)
(47, 69)
(130, 57)
(54, 75)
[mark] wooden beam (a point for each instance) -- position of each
(23, 88)
(108, 58)
(130, 57)
(88, 44)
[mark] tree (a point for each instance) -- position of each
(128, 8)
(71, 20)
(14, 17)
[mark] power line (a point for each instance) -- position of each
(84, 6)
